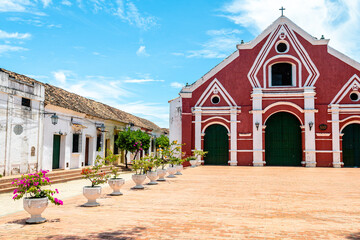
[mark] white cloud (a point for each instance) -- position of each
(128, 12)
(8, 48)
(337, 20)
(223, 32)
(46, 3)
(14, 5)
(142, 80)
(6, 35)
(176, 85)
(142, 51)
(62, 75)
(178, 54)
(66, 2)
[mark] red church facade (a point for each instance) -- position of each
(283, 99)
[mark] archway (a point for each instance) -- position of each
(283, 145)
(351, 145)
(216, 143)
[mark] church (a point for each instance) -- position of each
(284, 99)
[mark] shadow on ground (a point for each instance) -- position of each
(354, 236)
(116, 235)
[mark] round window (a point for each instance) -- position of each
(282, 47)
(215, 100)
(354, 96)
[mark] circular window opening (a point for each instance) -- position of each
(215, 100)
(354, 97)
(281, 47)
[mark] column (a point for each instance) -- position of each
(257, 128)
(10, 108)
(309, 112)
(335, 135)
(233, 136)
(197, 112)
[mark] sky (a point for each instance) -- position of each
(136, 55)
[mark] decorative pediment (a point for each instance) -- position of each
(281, 32)
(353, 84)
(215, 88)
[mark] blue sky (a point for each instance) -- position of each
(136, 54)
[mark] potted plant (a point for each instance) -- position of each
(151, 166)
(192, 160)
(161, 162)
(172, 153)
(179, 166)
(96, 177)
(199, 154)
(35, 199)
(139, 166)
(115, 183)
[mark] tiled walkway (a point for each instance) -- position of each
(212, 203)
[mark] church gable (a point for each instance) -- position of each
(349, 93)
(283, 46)
(215, 95)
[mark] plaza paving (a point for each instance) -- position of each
(211, 202)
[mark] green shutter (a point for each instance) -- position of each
(56, 151)
(216, 143)
(283, 140)
(351, 145)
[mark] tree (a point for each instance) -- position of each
(132, 141)
(162, 142)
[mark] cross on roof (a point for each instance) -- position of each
(282, 11)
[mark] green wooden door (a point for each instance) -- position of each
(283, 140)
(351, 145)
(216, 143)
(56, 152)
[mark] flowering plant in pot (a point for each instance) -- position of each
(151, 165)
(140, 167)
(172, 153)
(35, 198)
(199, 154)
(96, 176)
(179, 166)
(114, 182)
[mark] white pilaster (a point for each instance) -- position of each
(309, 112)
(197, 112)
(233, 137)
(257, 128)
(10, 108)
(335, 135)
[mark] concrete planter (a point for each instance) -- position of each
(161, 173)
(35, 206)
(152, 176)
(171, 171)
(91, 193)
(179, 168)
(138, 179)
(116, 184)
(193, 163)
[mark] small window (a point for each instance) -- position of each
(354, 96)
(98, 142)
(281, 47)
(25, 102)
(281, 74)
(76, 143)
(215, 100)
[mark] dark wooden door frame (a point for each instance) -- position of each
(56, 151)
(351, 145)
(216, 143)
(87, 148)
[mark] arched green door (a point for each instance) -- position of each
(283, 140)
(351, 145)
(216, 143)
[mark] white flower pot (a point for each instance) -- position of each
(171, 171)
(35, 206)
(179, 168)
(161, 174)
(198, 162)
(152, 176)
(116, 184)
(138, 179)
(91, 193)
(193, 163)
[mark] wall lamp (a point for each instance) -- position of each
(257, 124)
(311, 124)
(54, 118)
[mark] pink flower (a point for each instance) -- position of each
(56, 190)
(15, 196)
(15, 191)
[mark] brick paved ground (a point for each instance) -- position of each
(212, 203)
